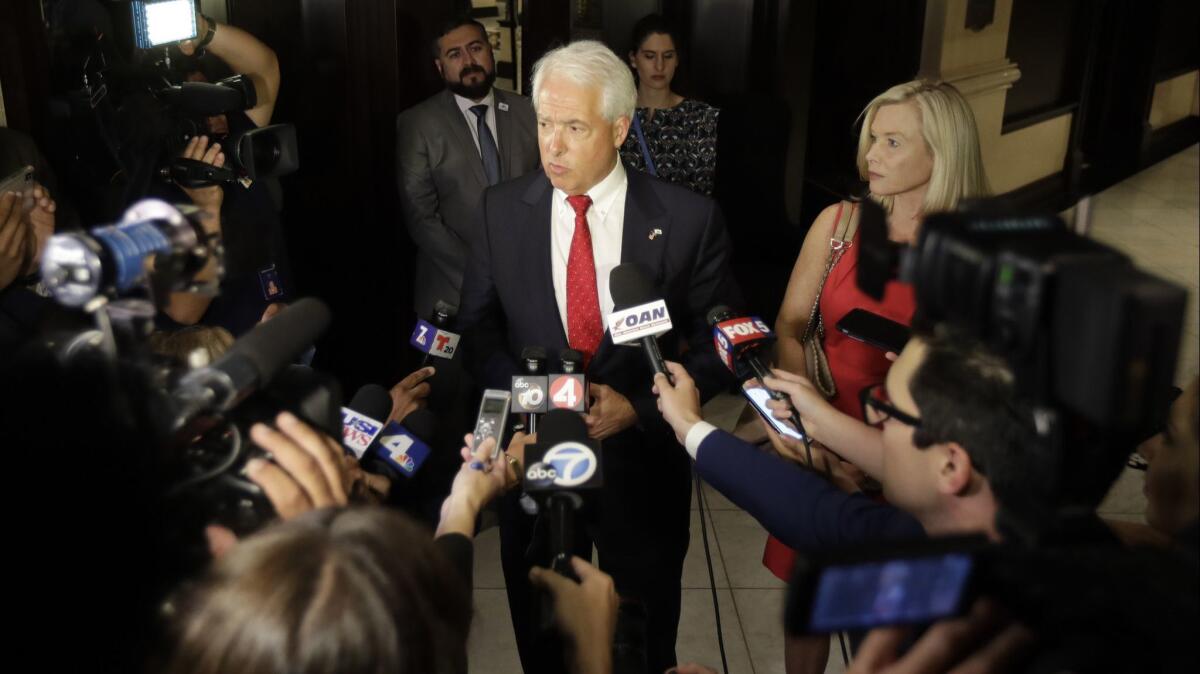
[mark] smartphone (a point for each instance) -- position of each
(493, 414)
(900, 586)
(879, 332)
(19, 181)
(758, 397)
(159, 22)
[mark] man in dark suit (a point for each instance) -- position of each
(538, 276)
(449, 149)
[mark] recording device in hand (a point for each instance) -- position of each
(875, 330)
(639, 312)
(739, 341)
(434, 338)
(758, 397)
(361, 418)
(493, 415)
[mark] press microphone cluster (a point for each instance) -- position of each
(536, 392)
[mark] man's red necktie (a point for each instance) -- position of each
(584, 330)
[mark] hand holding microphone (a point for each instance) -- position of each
(678, 400)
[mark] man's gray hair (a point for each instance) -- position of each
(591, 64)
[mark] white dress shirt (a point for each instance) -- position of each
(465, 104)
(606, 220)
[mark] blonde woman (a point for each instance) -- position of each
(918, 151)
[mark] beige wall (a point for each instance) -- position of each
(1175, 99)
(977, 64)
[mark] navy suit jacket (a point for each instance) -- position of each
(508, 300)
(795, 505)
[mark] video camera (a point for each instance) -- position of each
(1092, 340)
(1092, 343)
(134, 109)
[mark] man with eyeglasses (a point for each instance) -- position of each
(942, 422)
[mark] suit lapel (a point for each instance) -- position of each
(463, 138)
(645, 232)
(504, 128)
(643, 236)
(538, 264)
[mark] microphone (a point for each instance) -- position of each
(402, 448)
(639, 314)
(529, 389)
(252, 362)
(433, 338)
(739, 339)
(361, 420)
(563, 461)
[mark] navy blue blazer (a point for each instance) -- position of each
(508, 300)
(795, 505)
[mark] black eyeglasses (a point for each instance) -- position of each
(877, 409)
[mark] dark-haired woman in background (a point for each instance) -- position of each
(672, 137)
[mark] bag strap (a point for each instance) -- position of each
(637, 129)
(843, 236)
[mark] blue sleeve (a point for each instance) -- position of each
(798, 507)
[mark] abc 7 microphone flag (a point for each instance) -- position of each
(565, 465)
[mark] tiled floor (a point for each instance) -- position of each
(1154, 217)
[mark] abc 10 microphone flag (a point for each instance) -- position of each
(538, 394)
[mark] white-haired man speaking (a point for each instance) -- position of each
(538, 276)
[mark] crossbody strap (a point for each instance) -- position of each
(637, 130)
(843, 237)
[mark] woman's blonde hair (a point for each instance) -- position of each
(948, 127)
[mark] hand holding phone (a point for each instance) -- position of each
(758, 397)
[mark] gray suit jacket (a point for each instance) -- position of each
(441, 180)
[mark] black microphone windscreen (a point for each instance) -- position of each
(373, 401)
(560, 426)
(272, 345)
(533, 358)
(719, 313)
(422, 423)
(630, 285)
(572, 357)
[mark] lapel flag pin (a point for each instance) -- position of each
(655, 233)
(502, 106)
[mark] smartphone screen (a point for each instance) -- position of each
(892, 592)
(758, 397)
(158, 22)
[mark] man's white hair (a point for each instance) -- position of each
(591, 64)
